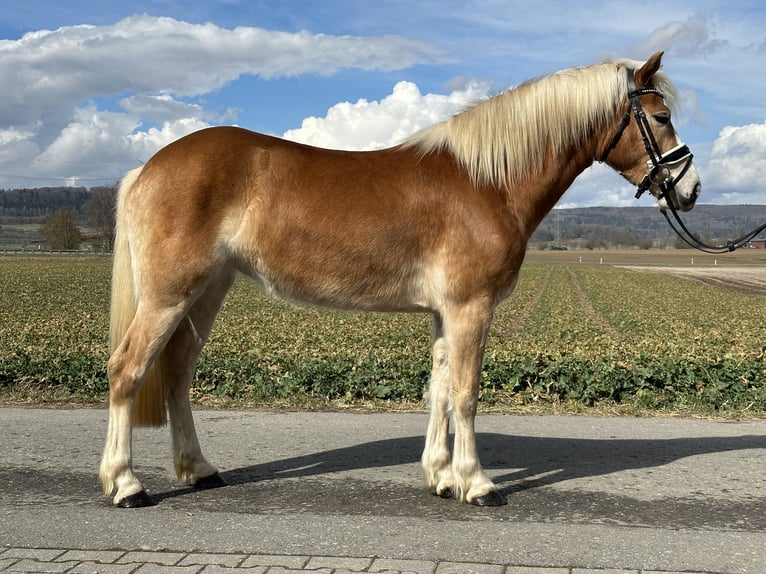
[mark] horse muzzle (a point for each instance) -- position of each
(681, 202)
(673, 179)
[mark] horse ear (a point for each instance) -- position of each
(646, 72)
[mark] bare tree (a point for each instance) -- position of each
(100, 210)
(60, 230)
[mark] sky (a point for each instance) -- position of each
(93, 89)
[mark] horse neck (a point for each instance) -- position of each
(533, 197)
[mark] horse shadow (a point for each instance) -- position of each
(515, 463)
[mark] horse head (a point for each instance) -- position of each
(645, 147)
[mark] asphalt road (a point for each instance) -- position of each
(633, 494)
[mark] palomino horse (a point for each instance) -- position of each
(438, 224)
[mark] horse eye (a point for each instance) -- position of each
(662, 118)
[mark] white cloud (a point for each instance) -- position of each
(13, 135)
(367, 125)
(692, 38)
(146, 143)
(162, 55)
(103, 145)
(48, 117)
(91, 132)
(737, 164)
(16, 149)
(160, 108)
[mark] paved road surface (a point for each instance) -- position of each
(339, 492)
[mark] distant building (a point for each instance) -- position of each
(757, 244)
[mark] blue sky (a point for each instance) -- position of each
(97, 88)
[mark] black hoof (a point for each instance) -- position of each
(212, 481)
(137, 500)
(446, 493)
(492, 498)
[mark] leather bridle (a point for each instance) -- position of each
(659, 171)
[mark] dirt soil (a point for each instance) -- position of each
(744, 270)
(744, 279)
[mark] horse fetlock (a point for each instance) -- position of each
(441, 483)
(192, 470)
(437, 472)
(472, 484)
(107, 480)
(107, 484)
(110, 472)
(130, 493)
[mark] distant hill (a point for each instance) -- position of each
(643, 226)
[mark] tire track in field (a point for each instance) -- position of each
(523, 316)
(590, 311)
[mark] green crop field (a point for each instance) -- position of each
(573, 334)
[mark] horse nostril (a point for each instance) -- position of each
(697, 190)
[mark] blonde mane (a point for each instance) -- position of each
(499, 140)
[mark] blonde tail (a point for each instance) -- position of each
(149, 408)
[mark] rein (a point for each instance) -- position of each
(683, 232)
(659, 163)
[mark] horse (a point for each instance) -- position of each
(437, 224)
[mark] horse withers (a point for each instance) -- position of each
(438, 224)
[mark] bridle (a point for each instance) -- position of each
(659, 171)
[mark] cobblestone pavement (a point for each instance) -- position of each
(33, 560)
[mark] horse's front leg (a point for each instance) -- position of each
(466, 332)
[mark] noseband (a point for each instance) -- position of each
(659, 173)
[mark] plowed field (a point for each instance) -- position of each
(745, 279)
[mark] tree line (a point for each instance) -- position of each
(62, 211)
(34, 205)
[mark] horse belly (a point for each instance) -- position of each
(342, 276)
(341, 291)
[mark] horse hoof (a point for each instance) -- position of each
(208, 482)
(137, 500)
(446, 493)
(492, 498)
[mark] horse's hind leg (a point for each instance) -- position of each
(437, 472)
(179, 361)
(130, 361)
